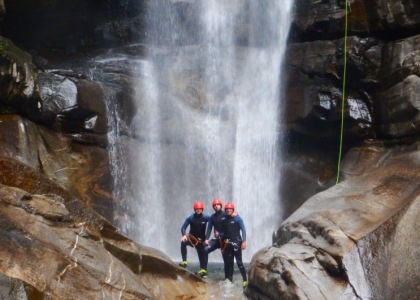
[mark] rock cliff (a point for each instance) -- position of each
(382, 75)
(347, 241)
(56, 182)
(59, 248)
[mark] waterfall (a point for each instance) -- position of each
(207, 118)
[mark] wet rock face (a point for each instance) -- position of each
(398, 109)
(308, 167)
(73, 107)
(82, 169)
(325, 58)
(395, 103)
(12, 288)
(313, 110)
(68, 103)
(389, 259)
(381, 78)
(403, 59)
(312, 84)
(317, 19)
(17, 79)
(72, 104)
(58, 93)
(347, 240)
(55, 244)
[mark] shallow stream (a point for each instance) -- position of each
(216, 287)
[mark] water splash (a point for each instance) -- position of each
(207, 116)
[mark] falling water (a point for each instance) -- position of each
(207, 117)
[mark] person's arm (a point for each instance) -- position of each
(209, 228)
(243, 230)
(242, 226)
(184, 229)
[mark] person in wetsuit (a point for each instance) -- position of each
(218, 221)
(235, 243)
(195, 238)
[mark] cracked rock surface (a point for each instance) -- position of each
(59, 248)
(353, 240)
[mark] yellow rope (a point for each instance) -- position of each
(344, 91)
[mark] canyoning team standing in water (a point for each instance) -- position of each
(228, 226)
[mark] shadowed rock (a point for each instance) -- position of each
(323, 58)
(12, 289)
(326, 19)
(316, 108)
(402, 59)
(397, 109)
(2, 10)
(314, 84)
(17, 80)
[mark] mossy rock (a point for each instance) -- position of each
(17, 73)
(18, 88)
(10, 51)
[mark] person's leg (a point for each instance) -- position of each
(202, 256)
(229, 261)
(213, 245)
(226, 263)
(238, 257)
(184, 252)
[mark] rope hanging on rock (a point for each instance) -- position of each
(344, 93)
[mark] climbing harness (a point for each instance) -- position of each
(344, 91)
(197, 240)
(224, 244)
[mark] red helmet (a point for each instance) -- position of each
(198, 205)
(217, 201)
(229, 205)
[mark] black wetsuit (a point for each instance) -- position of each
(233, 250)
(196, 237)
(218, 221)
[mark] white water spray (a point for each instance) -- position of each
(208, 112)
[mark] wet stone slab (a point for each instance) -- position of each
(217, 289)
